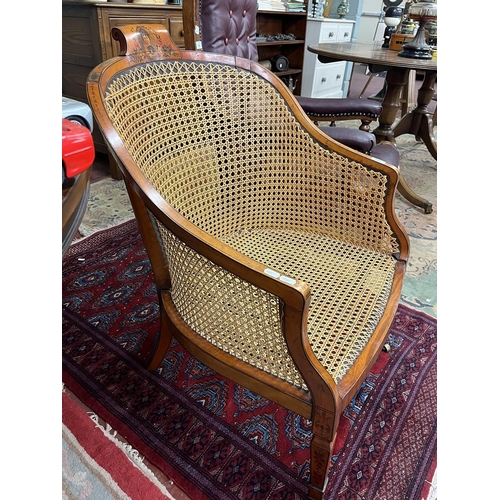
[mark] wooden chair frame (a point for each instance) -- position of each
(319, 398)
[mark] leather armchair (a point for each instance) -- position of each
(230, 27)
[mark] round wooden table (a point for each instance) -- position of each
(418, 121)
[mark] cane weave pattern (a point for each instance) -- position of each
(350, 287)
(234, 315)
(223, 148)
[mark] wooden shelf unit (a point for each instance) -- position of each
(271, 22)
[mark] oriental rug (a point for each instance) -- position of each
(215, 439)
(95, 467)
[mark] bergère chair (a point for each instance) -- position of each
(276, 251)
(230, 26)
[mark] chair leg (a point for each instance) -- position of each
(366, 86)
(163, 342)
(321, 456)
(324, 427)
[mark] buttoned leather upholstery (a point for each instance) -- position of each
(233, 27)
(325, 110)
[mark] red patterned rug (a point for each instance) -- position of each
(93, 466)
(215, 439)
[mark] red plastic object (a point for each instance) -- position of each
(78, 151)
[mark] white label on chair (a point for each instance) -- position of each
(288, 280)
(272, 273)
(198, 45)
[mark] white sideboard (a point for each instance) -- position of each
(320, 79)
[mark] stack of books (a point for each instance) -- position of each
(296, 6)
(282, 5)
(271, 5)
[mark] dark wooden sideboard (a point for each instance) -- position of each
(86, 42)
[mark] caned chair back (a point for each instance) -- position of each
(230, 27)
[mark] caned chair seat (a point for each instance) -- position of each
(276, 252)
(349, 284)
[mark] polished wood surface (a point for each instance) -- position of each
(369, 53)
(419, 121)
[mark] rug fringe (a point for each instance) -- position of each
(433, 490)
(131, 453)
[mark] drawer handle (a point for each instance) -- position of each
(346, 34)
(339, 77)
(323, 80)
(182, 32)
(330, 35)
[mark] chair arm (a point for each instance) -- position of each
(339, 109)
(387, 153)
(354, 138)
(234, 302)
(364, 142)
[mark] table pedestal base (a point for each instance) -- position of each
(420, 124)
(417, 122)
(407, 192)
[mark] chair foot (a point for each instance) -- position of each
(314, 494)
(427, 206)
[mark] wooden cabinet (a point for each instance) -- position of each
(325, 79)
(272, 23)
(86, 42)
